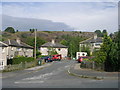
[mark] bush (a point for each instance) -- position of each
(18, 60)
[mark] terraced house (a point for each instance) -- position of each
(18, 48)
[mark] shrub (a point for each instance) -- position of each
(18, 60)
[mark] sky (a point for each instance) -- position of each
(82, 16)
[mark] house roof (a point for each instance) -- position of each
(92, 40)
(54, 45)
(3, 44)
(16, 44)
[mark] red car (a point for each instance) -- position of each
(80, 60)
(56, 57)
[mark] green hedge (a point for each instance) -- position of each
(18, 60)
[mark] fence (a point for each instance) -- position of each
(92, 65)
(19, 66)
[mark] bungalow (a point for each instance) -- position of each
(93, 43)
(59, 48)
(18, 48)
(3, 55)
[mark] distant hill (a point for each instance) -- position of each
(46, 35)
(23, 24)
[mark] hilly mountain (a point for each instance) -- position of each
(23, 24)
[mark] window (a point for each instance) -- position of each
(97, 44)
(18, 49)
(59, 49)
(3, 49)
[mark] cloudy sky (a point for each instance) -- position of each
(83, 16)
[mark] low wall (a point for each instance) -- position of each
(92, 65)
(19, 66)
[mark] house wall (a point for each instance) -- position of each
(44, 51)
(62, 51)
(11, 52)
(18, 51)
(29, 52)
(92, 46)
(78, 54)
(3, 57)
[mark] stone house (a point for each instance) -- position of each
(3, 55)
(92, 43)
(18, 48)
(59, 48)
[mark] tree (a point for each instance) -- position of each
(17, 31)
(85, 49)
(31, 40)
(32, 30)
(100, 57)
(99, 33)
(10, 30)
(64, 42)
(104, 32)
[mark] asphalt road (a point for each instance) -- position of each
(55, 76)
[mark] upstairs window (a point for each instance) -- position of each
(59, 49)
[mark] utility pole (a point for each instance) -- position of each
(35, 44)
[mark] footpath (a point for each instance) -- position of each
(23, 72)
(75, 70)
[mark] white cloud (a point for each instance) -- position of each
(60, 0)
(83, 16)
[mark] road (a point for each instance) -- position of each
(54, 76)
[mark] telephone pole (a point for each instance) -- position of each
(35, 44)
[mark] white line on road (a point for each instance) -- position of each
(29, 82)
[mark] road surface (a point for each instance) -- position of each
(54, 76)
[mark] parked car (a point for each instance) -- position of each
(47, 58)
(56, 57)
(80, 59)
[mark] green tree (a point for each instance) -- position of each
(85, 49)
(64, 42)
(10, 30)
(32, 30)
(99, 33)
(104, 32)
(31, 40)
(17, 31)
(100, 57)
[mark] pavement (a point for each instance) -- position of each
(75, 70)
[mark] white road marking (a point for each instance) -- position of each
(29, 82)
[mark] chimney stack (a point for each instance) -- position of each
(53, 41)
(95, 36)
(18, 40)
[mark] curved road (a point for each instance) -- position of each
(54, 76)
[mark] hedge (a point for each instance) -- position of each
(18, 60)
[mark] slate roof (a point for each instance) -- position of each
(16, 44)
(3, 44)
(92, 40)
(55, 45)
